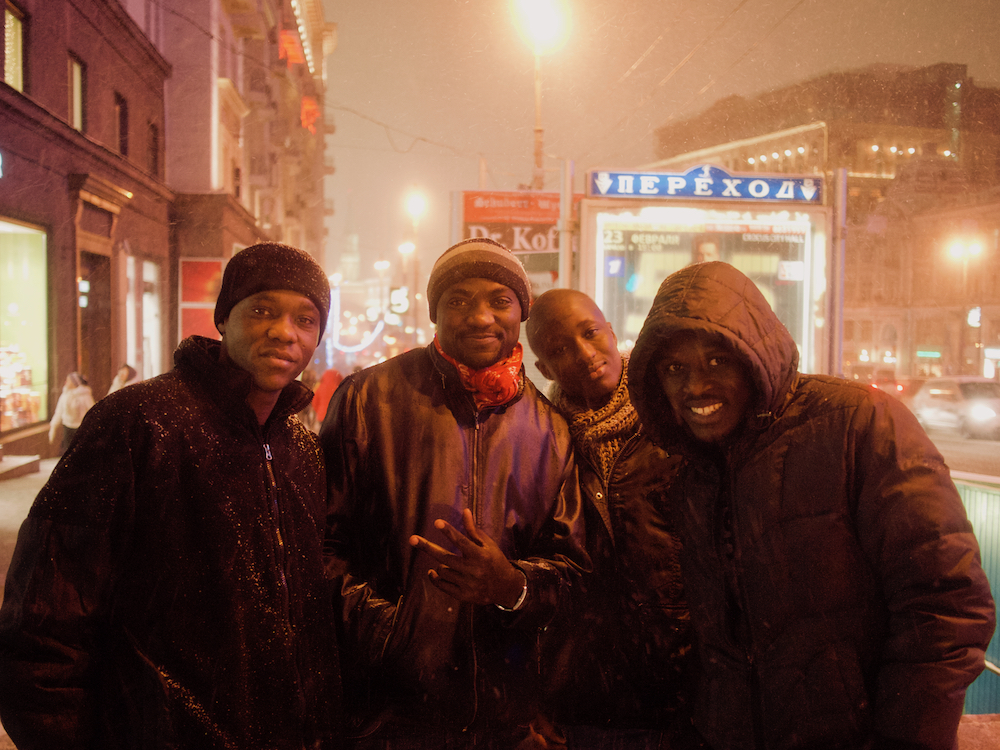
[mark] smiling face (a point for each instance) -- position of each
(706, 384)
(478, 322)
(576, 347)
(272, 335)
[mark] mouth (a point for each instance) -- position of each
(705, 410)
(279, 357)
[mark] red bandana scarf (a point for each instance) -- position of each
(494, 385)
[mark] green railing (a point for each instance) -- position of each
(981, 496)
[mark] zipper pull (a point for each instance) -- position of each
(267, 451)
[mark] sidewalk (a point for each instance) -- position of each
(16, 496)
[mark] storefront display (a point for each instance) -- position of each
(24, 334)
(20, 402)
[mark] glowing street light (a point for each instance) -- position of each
(542, 23)
(965, 251)
(416, 205)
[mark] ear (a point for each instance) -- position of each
(546, 373)
(613, 334)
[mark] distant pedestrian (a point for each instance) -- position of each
(328, 383)
(126, 375)
(74, 402)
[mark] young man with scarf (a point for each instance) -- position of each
(616, 664)
(454, 519)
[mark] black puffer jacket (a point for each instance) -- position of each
(834, 581)
(167, 588)
(405, 446)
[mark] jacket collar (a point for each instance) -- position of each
(229, 385)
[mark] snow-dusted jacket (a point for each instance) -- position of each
(167, 588)
(405, 446)
(834, 580)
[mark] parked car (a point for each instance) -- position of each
(970, 405)
(902, 388)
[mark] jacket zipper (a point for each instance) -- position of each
(756, 709)
(474, 507)
(280, 555)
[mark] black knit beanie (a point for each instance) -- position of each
(479, 258)
(270, 266)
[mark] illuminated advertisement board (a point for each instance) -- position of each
(628, 246)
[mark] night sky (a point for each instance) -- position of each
(420, 91)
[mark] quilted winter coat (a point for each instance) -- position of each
(834, 580)
(167, 589)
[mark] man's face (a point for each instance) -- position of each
(706, 384)
(478, 322)
(577, 349)
(272, 335)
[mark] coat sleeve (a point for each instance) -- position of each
(364, 617)
(915, 533)
(54, 610)
(556, 558)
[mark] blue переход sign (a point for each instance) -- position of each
(706, 182)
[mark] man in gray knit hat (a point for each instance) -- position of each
(455, 519)
(167, 589)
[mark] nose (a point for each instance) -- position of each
(697, 380)
(282, 328)
(585, 351)
(481, 314)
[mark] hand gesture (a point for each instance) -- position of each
(480, 573)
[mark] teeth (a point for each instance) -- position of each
(704, 411)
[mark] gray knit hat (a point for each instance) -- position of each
(269, 266)
(479, 258)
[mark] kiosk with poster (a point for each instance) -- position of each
(638, 228)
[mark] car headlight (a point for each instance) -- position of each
(981, 413)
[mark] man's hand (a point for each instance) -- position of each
(480, 573)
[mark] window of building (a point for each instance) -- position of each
(13, 47)
(77, 93)
(24, 326)
(153, 146)
(121, 124)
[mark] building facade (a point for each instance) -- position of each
(921, 151)
(84, 209)
(142, 144)
(245, 133)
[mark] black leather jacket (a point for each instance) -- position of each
(620, 657)
(406, 446)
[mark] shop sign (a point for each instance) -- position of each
(706, 182)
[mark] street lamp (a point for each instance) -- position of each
(966, 251)
(408, 251)
(381, 266)
(416, 206)
(542, 23)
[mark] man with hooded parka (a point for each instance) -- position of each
(834, 581)
(167, 590)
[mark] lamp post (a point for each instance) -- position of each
(416, 206)
(965, 251)
(381, 266)
(542, 23)
(408, 251)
